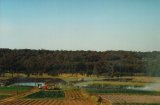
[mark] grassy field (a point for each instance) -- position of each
(109, 83)
(123, 91)
(72, 77)
(14, 88)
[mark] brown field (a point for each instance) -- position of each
(48, 102)
(73, 94)
(121, 98)
(72, 97)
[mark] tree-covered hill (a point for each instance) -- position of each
(110, 63)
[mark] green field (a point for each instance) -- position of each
(47, 94)
(123, 91)
(14, 89)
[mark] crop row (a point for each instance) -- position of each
(121, 99)
(73, 94)
(49, 102)
(47, 94)
(124, 91)
(14, 89)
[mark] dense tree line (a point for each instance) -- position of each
(110, 63)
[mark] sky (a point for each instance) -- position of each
(97, 25)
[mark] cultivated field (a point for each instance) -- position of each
(113, 92)
(73, 94)
(72, 97)
(121, 98)
(49, 102)
(13, 90)
(120, 93)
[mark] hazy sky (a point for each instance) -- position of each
(80, 24)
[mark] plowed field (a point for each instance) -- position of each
(121, 98)
(48, 102)
(73, 94)
(72, 97)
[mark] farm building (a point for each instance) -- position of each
(34, 84)
(38, 82)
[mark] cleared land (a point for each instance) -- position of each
(73, 94)
(121, 98)
(49, 102)
(72, 97)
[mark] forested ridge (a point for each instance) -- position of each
(109, 63)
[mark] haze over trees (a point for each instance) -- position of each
(107, 63)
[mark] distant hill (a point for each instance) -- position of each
(109, 63)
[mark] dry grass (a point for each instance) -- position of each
(121, 98)
(146, 79)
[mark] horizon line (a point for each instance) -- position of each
(77, 50)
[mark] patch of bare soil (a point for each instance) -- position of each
(121, 98)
